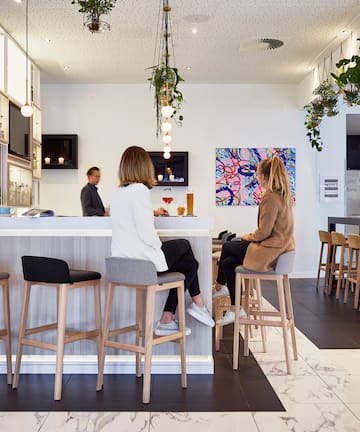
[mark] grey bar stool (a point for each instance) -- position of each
(5, 333)
(141, 275)
(244, 277)
(54, 272)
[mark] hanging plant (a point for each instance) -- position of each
(324, 104)
(348, 79)
(93, 9)
(165, 80)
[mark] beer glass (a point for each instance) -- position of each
(190, 203)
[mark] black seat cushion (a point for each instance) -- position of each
(53, 270)
(4, 275)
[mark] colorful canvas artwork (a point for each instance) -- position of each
(236, 182)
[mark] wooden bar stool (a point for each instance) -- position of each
(283, 267)
(354, 271)
(219, 306)
(324, 265)
(5, 333)
(141, 275)
(338, 268)
(54, 272)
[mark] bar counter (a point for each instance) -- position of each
(84, 242)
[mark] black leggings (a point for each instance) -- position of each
(180, 258)
(232, 255)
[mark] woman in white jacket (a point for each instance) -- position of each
(134, 236)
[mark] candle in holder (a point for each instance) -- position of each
(47, 160)
(160, 177)
(61, 160)
(171, 177)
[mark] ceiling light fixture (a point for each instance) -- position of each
(165, 78)
(27, 109)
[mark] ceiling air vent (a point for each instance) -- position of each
(270, 44)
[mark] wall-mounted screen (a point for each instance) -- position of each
(353, 152)
(59, 151)
(172, 171)
(19, 129)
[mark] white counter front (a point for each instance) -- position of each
(84, 242)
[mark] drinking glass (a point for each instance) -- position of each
(180, 208)
(167, 197)
(190, 203)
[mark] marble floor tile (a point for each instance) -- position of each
(309, 418)
(276, 365)
(22, 421)
(355, 409)
(302, 389)
(96, 422)
(346, 387)
(202, 422)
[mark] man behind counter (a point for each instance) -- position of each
(90, 199)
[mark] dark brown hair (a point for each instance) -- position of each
(91, 170)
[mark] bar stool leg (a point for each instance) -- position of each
(280, 289)
(97, 301)
(6, 301)
(260, 305)
(63, 290)
(181, 315)
(23, 319)
(105, 335)
(236, 337)
(139, 323)
(247, 309)
(149, 330)
(290, 315)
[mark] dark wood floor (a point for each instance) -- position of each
(327, 322)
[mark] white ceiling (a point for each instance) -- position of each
(222, 51)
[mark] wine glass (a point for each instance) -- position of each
(167, 197)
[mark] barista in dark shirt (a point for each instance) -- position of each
(90, 199)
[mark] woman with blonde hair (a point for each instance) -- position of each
(134, 236)
(259, 250)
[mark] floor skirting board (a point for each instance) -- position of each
(122, 364)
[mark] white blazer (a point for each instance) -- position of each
(133, 230)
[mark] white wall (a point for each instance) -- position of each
(108, 118)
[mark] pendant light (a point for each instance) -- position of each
(27, 109)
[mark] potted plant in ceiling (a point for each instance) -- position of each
(93, 10)
(324, 104)
(348, 79)
(165, 80)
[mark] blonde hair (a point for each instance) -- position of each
(136, 167)
(274, 170)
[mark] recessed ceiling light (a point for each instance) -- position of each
(194, 30)
(17, 1)
(188, 67)
(66, 67)
(47, 40)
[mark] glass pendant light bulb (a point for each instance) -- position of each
(166, 155)
(27, 110)
(167, 148)
(167, 139)
(167, 111)
(166, 126)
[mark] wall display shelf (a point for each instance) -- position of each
(19, 186)
(36, 160)
(36, 124)
(4, 119)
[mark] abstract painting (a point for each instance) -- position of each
(236, 182)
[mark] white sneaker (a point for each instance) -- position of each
(229, 316)
(223, 291)
(201, 314)
(164, 329)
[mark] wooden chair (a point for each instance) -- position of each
(338, 268)
(255, 316)
(353, 275)
(141, 275)
(55, 273)
(5, 333)
(324, 264)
